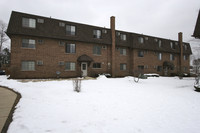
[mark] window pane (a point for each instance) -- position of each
(123, 37)
(70, 48)
(140, 54)
(96, 65)
(70, 66)
(28, 65)
(70, 30)
(28, 43)
(97, 50)
(159, 56)
(141, 40)
(25, 22)
(32, 23)
(97, 34)
(122, 66)
(140, 67)
(73, 30)
(73, 49)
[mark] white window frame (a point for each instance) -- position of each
(70, 48)
(97, 34)
(28, 65)
(141, 40)
(28, 43)
(123, 66)
(70, 66)
(123, 37)
(29, 22)
(159, 56)
(71, 30)
(122, 51)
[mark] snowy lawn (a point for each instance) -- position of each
(154, 105)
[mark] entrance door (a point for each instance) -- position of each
(84, 69)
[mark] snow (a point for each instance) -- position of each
(106, 105)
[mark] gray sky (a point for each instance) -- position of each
(160, 18)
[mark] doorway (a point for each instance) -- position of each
(84, 69)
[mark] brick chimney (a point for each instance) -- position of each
(112, 26)
(180, 40)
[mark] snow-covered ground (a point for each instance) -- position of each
(153, 105)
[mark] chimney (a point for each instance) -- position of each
(180, 40)
(112, 26)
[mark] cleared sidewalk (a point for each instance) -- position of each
(8, 100)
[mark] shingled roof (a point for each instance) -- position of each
(84, 33)
(196, 33)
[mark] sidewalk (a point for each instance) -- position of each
(8, 100)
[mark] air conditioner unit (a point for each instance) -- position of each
(104, 31)
(104, 47)
(39, 63)
(61, 63)
(118, 33)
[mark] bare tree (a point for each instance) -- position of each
(3, 36)
(195, 57)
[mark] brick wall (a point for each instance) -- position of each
(51, 53)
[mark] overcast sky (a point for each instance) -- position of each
(160, 18)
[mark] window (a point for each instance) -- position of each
(172, 45)
(122, 67)
(28, 43)
(185, 46)
(70, 30)
(122, 51)
(185, 57)
(141, 40)
(28, 22)
(185, 69)
(172, 57)
(97, 50)
(96, 65)
(160, 43)
(70, 48)
(97, 34)
(159, 68)
(140, 67)
(140, 53)
(39, 20)
(159, 56)
(28, 65)
(61, 24)
(123, 37)
(70, 66)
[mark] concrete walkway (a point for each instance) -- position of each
(8, 100)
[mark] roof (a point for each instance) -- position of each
(84, 33)
(196, 33)
(84, 58)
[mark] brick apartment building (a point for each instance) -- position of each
(44, 47)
